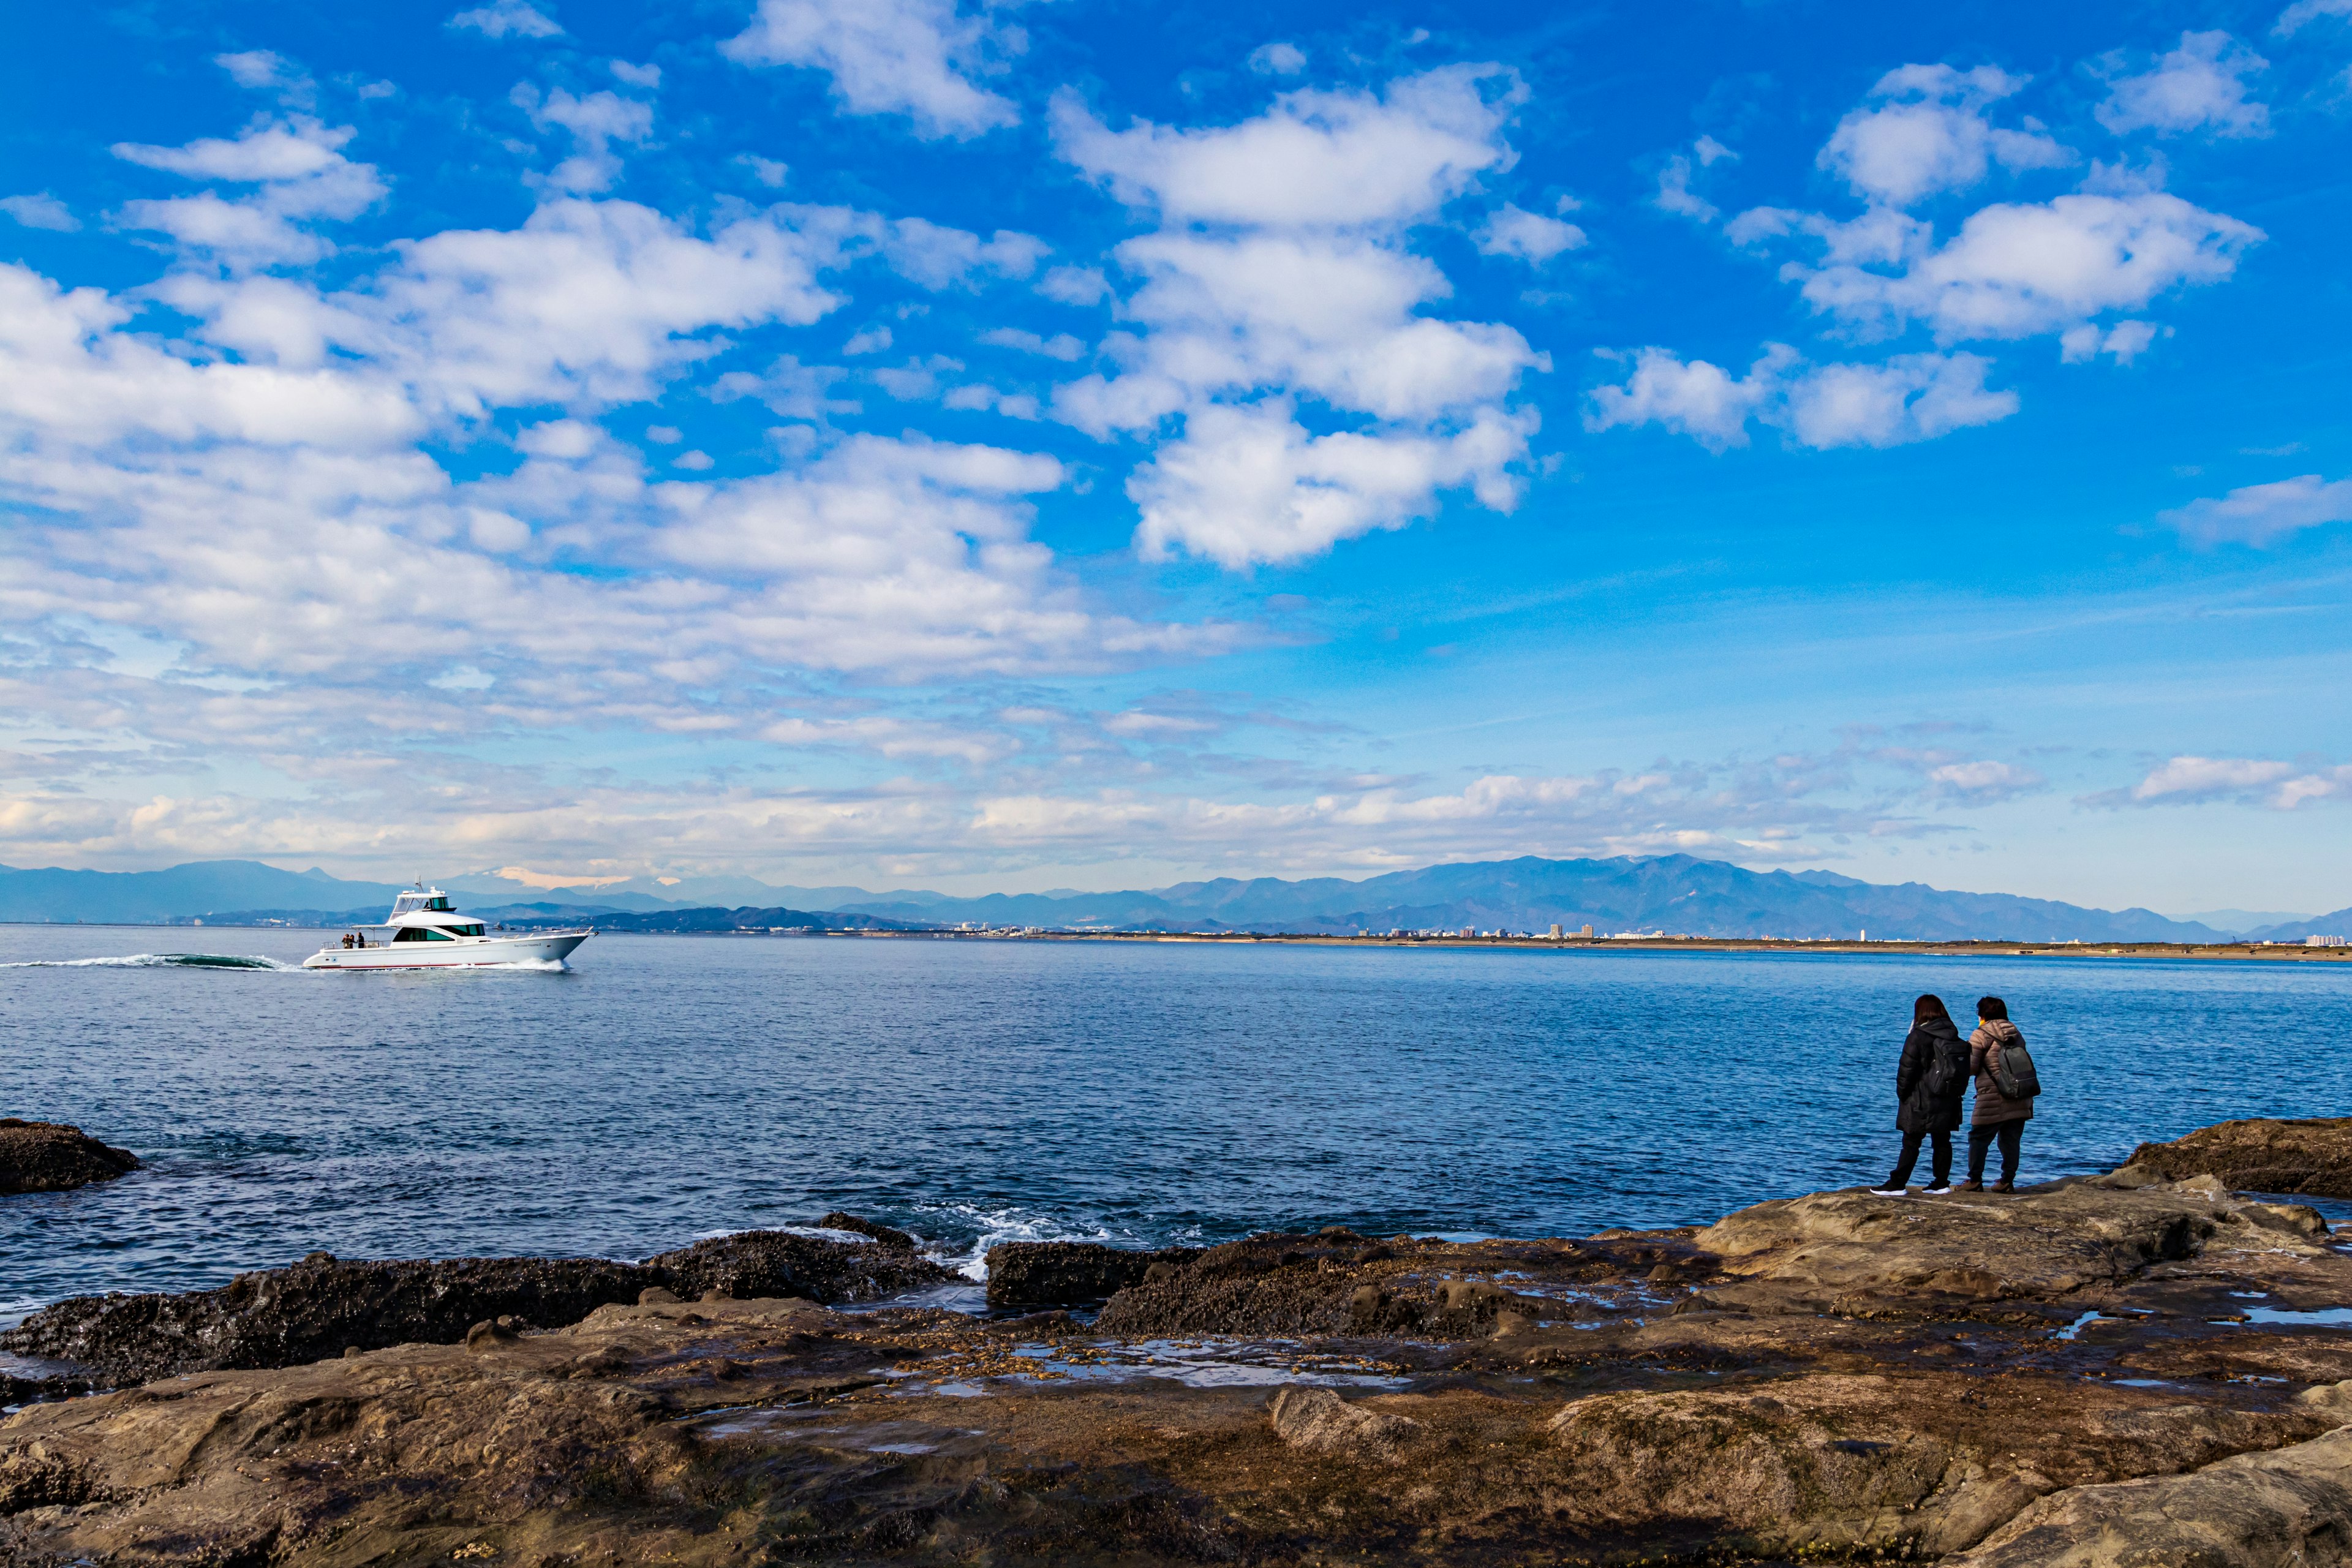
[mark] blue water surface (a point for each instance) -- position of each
(975, 1091)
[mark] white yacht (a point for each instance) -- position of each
(424, 932)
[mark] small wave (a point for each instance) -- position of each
(165, 961)
(994, 1227)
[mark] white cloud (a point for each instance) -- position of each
(263, 70)
(1074, 285)
(1907, 398)
(504, 17)
(2263, 515)
(1911, 398)
(644, 76)
(1277, 59)
(2302, 13)
(1675, 196)
(588, 299)
(2202, 83)
(2016, 270)
(302, 177)
(867, 340)
(915, 58)
(2192, 779)
(1981, 782)
(767, 170)
(794, 390)
(594, 120)
(42, 211)
(1928, 133)
(1250, 485)
(1060, 346)
(1531, 236)
(1690, 398)
(939, 257)
(2123, 343)
(1283, 271)
(1315, 159)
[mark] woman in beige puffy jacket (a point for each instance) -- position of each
(1996, 1117)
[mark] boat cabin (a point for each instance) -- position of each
(425, 915)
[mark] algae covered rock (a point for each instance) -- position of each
(322, 1305)
(52, 1157)
(1318, 1421)
(2309, 1155)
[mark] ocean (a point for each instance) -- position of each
(667, 1089)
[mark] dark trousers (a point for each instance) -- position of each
(1902, 1175)
(1981, 1141)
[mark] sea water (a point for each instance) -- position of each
(667, 1089)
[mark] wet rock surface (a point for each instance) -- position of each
(2310, 1155)
(1070, 1273)
(52, 1157)
(2073, 1375)
(323, 1305)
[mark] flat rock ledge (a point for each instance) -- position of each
(2117, 1373)
(51, 1157)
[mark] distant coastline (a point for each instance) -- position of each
(2272, 951)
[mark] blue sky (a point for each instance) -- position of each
(1089, 445)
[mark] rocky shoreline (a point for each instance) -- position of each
(2149, 1367)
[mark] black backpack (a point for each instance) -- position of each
(2011, 1067)
(1947, 1070)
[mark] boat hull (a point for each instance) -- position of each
(480, 952)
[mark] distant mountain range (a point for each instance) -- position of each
(1672, 893)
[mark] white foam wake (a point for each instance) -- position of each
(165, 961)
(994, 1227)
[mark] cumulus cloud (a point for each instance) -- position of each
(2263, 515)
(1927, 132)
(915, 57)
(2017, 270)
(41, 211)
(1955, 778)
(2123, 342)
(2066, 267)
(1530, 236)
(2192, 779)
(2202, 83)
(273, 514)
(1283, 271)
(1906, 398)
(1674, 193)
(2302, 13)
(1250, 484)
(594, 121)
(505, 19)
(301, 177)
(1277, 59)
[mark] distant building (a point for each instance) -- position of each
(1587, 933)
(1555, 931)
(1469, 930)
(2326, 941)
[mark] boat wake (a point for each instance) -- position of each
(165, 961)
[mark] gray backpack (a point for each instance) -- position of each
(2011, 1067)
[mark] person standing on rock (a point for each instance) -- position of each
(1930, 1083)
(1995, 1052)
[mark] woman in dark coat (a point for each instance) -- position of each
(1930, 1084)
